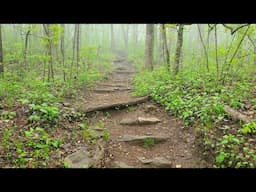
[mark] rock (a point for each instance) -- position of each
(118, 164)
(136, 139)
(66, 146)
(79, 159)
(160, 162)
(148, 120)
(129, 121)
(139, 121)
(65, 104)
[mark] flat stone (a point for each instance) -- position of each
(65, 104)
(139, 121)
(148, 120)
(135, 139)
(160, 162)
(118, 164)
(79, 159)
(129, 121)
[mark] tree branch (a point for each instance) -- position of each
(235, 30)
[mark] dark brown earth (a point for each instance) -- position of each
(179, 149)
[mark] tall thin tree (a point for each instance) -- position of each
(178, 49)
(1, 54)
(149, 46)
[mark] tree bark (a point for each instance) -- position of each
(77, 49)
(204, 47)
(62, 49)
(125, 29)
(112, 38)
(149, 46)
(49, 45)
(26, 49)
(165, 47)
(178, 50)
(216, 50)
(1, 54)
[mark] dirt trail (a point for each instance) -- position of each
(140, 124)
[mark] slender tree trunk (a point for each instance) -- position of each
(1, 54)
(161, 46)
(165, 47)
(48, 33)
(125, 29)
(26, 49)
(112, 38)
(135, 35)
(62, 49)
(149, 46)
(77, 49)
(216, 50)
(74, 51)
(178, 50)
(204, 47)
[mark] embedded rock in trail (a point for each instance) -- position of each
(118, 164)
(160, 162)
(140, 121)
(79, 159)
(148, 120)
(111, 90)
(112, 85)
(136, 139)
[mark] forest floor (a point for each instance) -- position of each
(138, 134)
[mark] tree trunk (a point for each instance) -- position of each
(165, 47)
(149, 46)
(204, 47)
(77, 49)
(161, 47)
(74, 51)
(216, 50)
(1, 54)
(62, 49)
(135, 35)
(25, 49)
(178, 50)
(125, 29)
(112, 38)
(49, 52)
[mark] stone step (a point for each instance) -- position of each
(119, 164)
(112, 85)
(140, 139)
(140, 121)
(158, 162)
(84, 158)
(79, 159)
(110, 90)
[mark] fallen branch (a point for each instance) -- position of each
(115, 105)
(237, 115)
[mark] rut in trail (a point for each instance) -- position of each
(142, 135)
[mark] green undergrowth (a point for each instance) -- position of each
(38, 102)
(199, 101)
